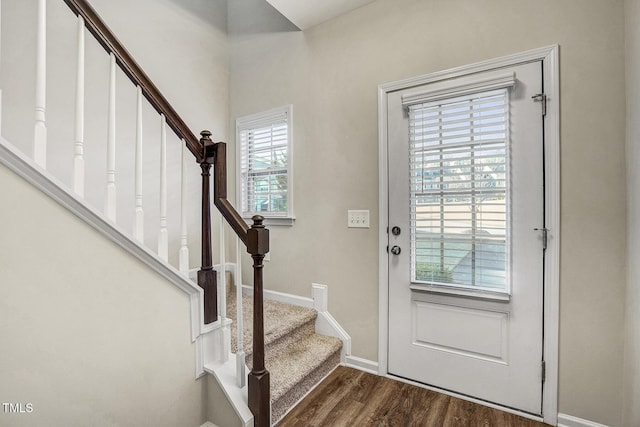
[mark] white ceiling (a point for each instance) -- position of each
(307, 13)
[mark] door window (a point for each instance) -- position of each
(458, 150)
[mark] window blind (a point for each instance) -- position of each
(264, 166)
(458, 187)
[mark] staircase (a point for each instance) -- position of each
(290, 358)
(295, 355)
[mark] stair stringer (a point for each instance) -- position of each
(26, 168)
(224, 373)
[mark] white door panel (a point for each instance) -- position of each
(471, 332)
(479, 338)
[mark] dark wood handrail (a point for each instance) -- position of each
(130, 67)
(227, 210)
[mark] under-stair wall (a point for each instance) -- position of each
(89, 334)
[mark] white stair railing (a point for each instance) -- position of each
(241, 364)
(110, 199)
(81, 185)
(40, 129)
(78, 159)
(183, 255)
(225, 331)
(163, 234)
(43, 149)
(138, 220)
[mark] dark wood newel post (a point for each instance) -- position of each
(256, 238)
(259, 391)
(207, 275)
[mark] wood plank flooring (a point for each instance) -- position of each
(349, 397)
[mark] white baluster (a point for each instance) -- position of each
(184, 248)
(225, 336)
(163, 237)
(40, 131)
(138, 224)
(78, 158)
(241, 366)
(110, 202)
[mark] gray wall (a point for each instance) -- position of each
(330, 74)
(632, 354)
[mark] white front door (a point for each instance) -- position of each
(466, 195)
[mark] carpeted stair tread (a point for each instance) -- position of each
(280, 320)
(292, 396)
(297, 358)
(298, 368)
(289, 367)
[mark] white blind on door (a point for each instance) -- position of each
(458, 185)
(264, 167)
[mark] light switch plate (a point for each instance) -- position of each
(358, 219)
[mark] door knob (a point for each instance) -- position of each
(396, 250)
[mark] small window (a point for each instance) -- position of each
(265, 165)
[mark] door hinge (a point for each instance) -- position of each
(544, 370)
(545, 237)
(542, 98)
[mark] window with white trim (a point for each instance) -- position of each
(265, 164)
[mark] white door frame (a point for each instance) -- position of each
(549, 56)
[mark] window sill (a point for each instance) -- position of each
(469, 293)
(278, 222)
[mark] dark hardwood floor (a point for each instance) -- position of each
(349, 397)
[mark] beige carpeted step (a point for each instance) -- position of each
(283, 323)
(298, 368)
(297, 358)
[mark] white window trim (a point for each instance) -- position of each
(260, 119)
(473, 85)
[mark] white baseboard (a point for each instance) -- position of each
(326, 324)
(565, 420)
(281, 297)
(362, 364)
(208, 424)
